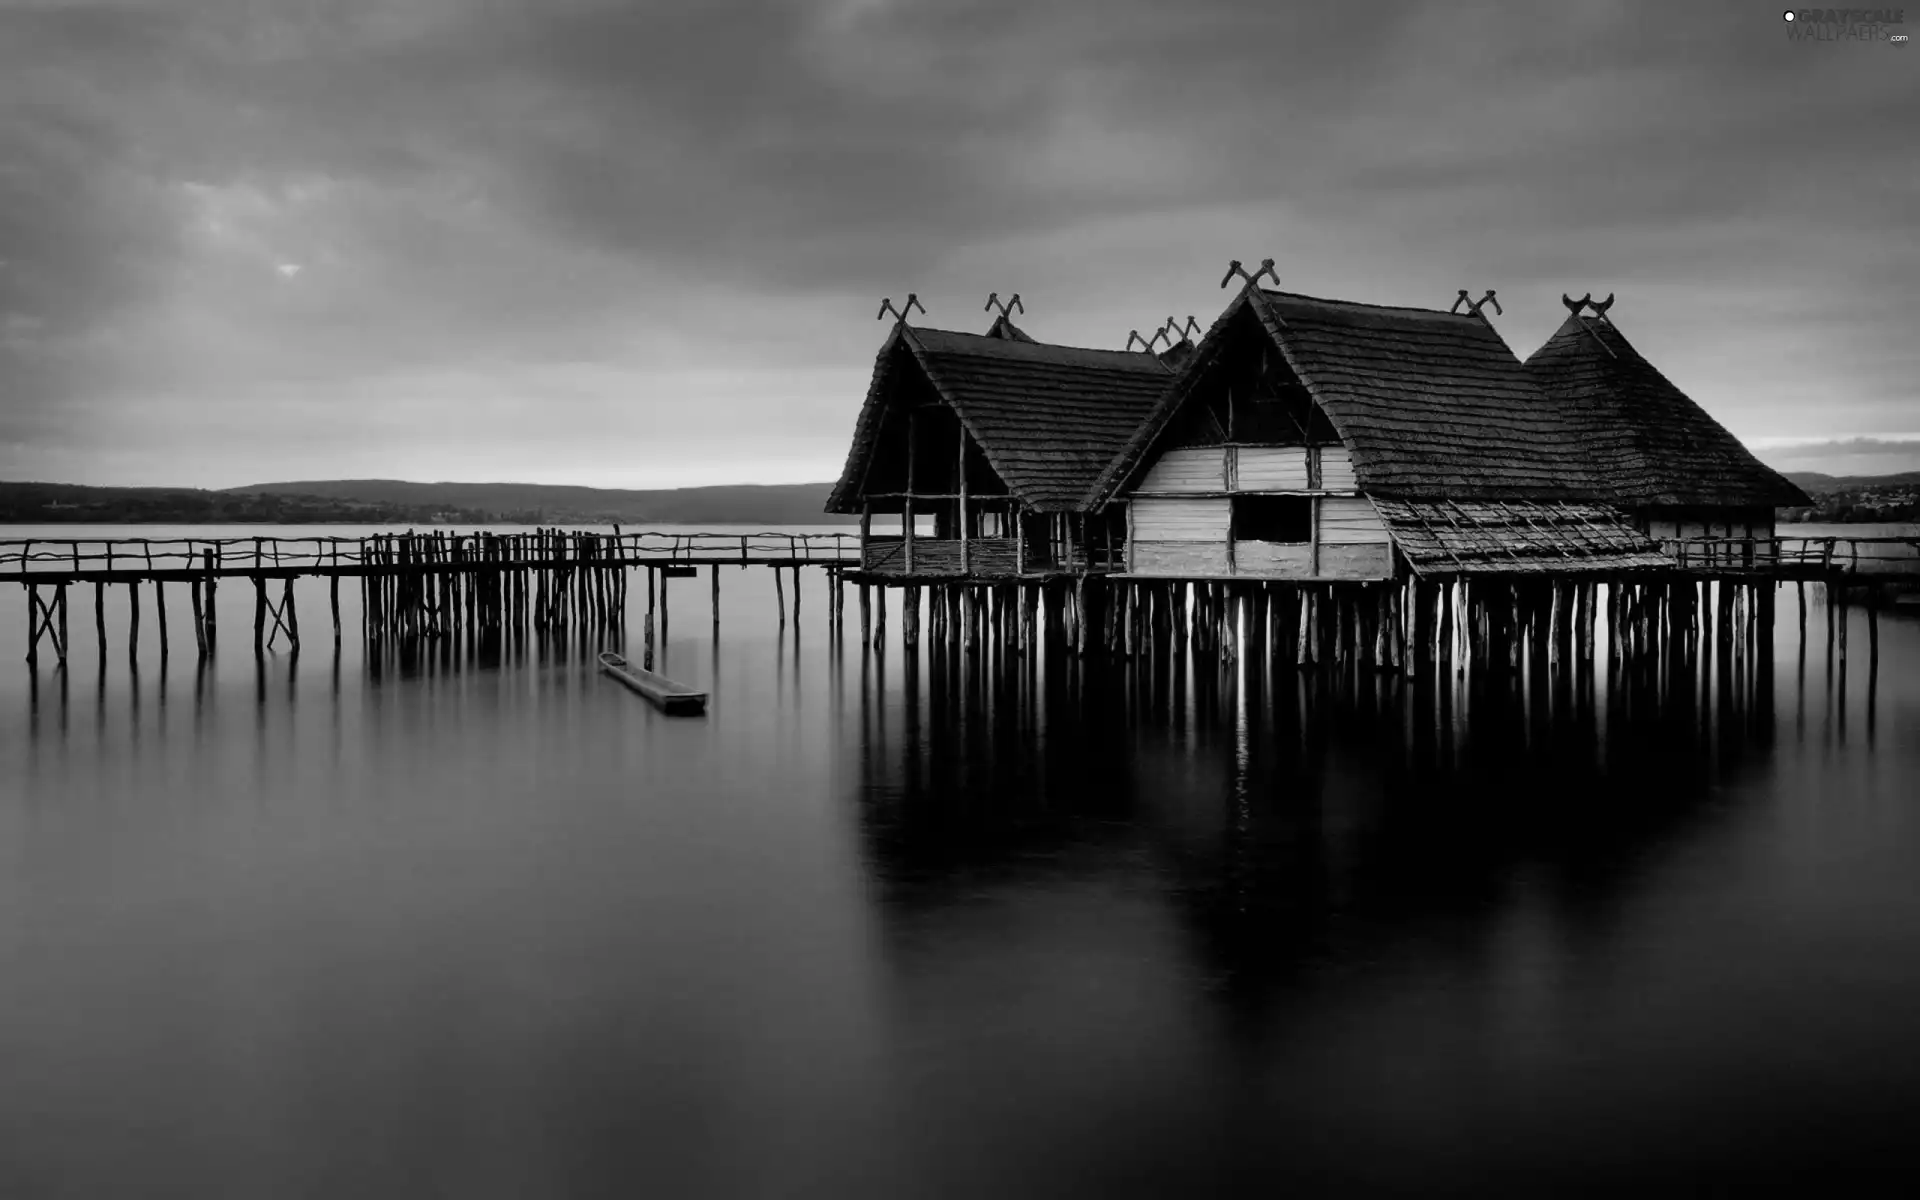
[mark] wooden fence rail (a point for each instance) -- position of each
(133, 557)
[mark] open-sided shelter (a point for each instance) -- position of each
(997, 438)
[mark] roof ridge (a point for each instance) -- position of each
(1272, 293)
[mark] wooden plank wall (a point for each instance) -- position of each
(1273, 560)
(1350, 520)
(1336, 469)
(1201, 519)
(1202, 469)
(1271, 469)
(1180, 559)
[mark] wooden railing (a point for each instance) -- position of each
(1796, 555)
(320, 555)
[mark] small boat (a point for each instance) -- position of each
(674, 698)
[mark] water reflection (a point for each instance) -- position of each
(937, 923)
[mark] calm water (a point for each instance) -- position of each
(494, 927)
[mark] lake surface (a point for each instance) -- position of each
(478, 926)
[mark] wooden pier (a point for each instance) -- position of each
(413, 585)
(441, 585)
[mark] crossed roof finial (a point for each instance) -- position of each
(1599, 307)
(900, 314)
(1147, 343)
(993, 302)
(1175, 329)
(1474, 306)
(1266, 268)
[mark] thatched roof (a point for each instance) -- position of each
(1447, 539)
(1047, 418)
(1643, 434)
(1431, 404)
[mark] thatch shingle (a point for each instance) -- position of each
(1641, 433)
(1446, 539)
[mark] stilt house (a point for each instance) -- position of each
(997, 439)
(1675, 470)
(1312, 439)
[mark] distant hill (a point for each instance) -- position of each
(1856, 498)
(71, 503)
(388, 501)
(1814, 481)
(734, 504)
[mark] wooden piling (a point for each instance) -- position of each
(133, 620)
(100, 619)
(33, 626)
(715, 571)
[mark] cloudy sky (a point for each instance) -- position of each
(643, 244)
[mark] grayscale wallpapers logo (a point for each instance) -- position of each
(1845, 25)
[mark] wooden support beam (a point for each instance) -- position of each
(906, 504)
(160, 615)
(33, 625)
(966, 556)
(212, 597)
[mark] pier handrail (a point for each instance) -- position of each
(1825, 552)
(140, 555)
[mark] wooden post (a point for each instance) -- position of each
(100, 619)
(292, 615)
(906, 504)
(133, 620)
(780, 596)
(33, 625)
(910, 618)
(866, 613)
(160, 615)
(796, 599)
(880, 620)
(966, 559)
(1313, 523)
(715, 569)
(199, 620)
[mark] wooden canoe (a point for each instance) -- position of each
(671, 697)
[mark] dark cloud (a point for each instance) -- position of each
(247, 227)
